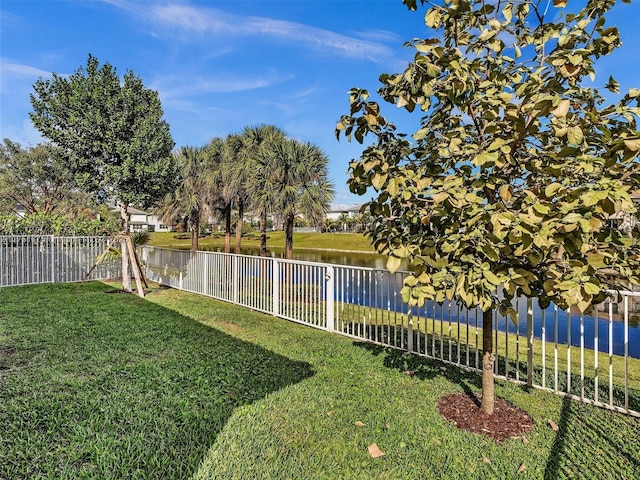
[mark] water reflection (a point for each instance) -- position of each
(382, 291)
(323, 256)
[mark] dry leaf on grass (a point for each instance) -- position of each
(375, 452)
(525, 440)
(359, 424)
(486, 460)
(330, 412)
(521, 468)
(553, 425)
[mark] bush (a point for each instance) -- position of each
(41, 224)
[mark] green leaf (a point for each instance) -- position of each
(433, 18)
(493, 279)
(393, 263)
(440, 197)
(507, 12)
(551, 189)
(597, 260)
(506, 192)
(632, 144)
(378, 180)
(562, 109)
(393, 187)
(572, 218)
(574, 135)
(592, 197)
(485, 157)
(541, 208)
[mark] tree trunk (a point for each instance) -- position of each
(288, 246)
(124, 249)
(227, 229)
(195, 231)
(239, 225)
(488, 359)
(263, 232)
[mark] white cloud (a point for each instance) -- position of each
(380, 36)
(8, 68)
(185, 18)
(24, 133)
(176, 87)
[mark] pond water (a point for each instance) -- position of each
(322, 256)
(558, 326)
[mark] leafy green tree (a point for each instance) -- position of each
(518, 163)
(55, 224)
(300, 184)
(191, 200)
(113, 134)
(37, 178)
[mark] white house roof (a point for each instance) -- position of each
(133, 211)
(340, 207)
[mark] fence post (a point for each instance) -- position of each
(330, 296)
(235, 278)
(205, 274)
(530, 342)
(410, 333)
(275, 280)
(53, 260)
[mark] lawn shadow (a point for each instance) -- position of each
(591, 439)
(119, 387)
(457, 352)
(424, 368)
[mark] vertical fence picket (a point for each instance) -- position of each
(530, 342)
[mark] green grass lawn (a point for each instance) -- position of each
(306, 241)
(106, 385)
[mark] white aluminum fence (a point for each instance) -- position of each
(583, 357)
(29, 259)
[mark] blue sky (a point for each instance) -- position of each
(221, 65)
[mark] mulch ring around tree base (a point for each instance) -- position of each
(464, 412)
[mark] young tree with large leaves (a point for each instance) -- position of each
(517, 165)
(112, 131)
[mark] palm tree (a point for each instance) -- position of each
(222, 184)
(236, 170)
(343, 220)
(191, 199)
(301, 184)
(257, 144)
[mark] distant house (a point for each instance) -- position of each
(626, 221)
(139, 221)
(336, 211)
(21, 211)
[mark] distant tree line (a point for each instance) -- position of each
(259, 171)
(109, 145)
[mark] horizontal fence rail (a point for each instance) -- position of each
(594, 357)
(27, 259)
